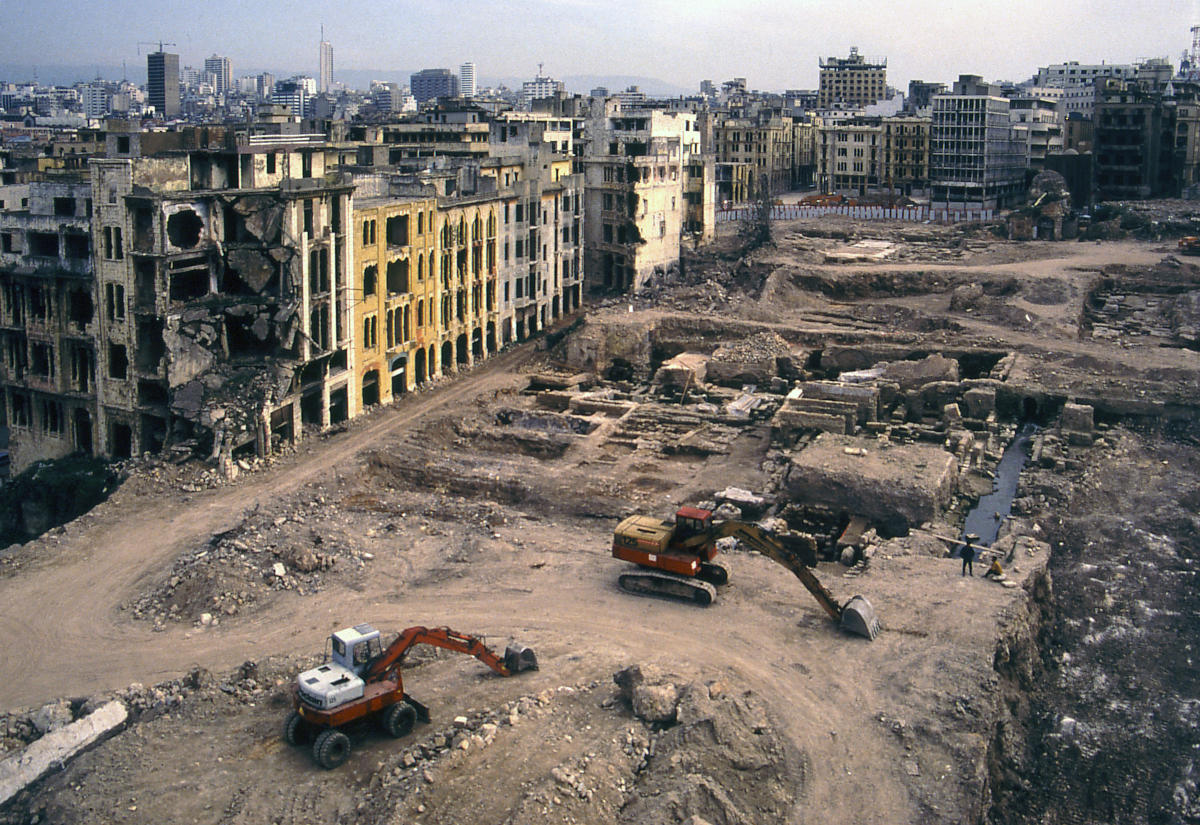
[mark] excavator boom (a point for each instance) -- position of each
(516, 657)
(856, 616)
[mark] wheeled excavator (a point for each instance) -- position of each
(362, 679)
(675, 561)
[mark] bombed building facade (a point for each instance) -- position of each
(222, 279)
(48, 319)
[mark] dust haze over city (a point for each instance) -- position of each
(789, 409)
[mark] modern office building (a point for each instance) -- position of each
(162, 86)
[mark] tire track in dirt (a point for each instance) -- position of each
(64, 607)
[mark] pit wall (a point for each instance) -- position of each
(1018, 665)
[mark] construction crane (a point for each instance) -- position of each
(363, 681)
(159, 43)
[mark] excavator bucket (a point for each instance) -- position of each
(518, 658)
(858, 617)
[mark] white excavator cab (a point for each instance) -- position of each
(355, 647)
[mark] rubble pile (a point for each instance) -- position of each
(1162, 305)
(751, 360)
(236, 570)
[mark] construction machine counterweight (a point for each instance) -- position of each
(675, 560)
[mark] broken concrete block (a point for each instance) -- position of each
(685, 369)
(865, 397)
(743, 499)
(913, 374)
(1078, 418)
(951, 414)
(634, 675)
(52, 716)
(56, 747)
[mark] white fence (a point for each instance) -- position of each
(915, 214)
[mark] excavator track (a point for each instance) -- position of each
(668, 586)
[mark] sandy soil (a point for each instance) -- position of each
(428, 519)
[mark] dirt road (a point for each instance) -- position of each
(63, 607)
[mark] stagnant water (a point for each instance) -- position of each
(985, 518)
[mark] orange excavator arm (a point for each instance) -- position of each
(442, 637)
(759, 540)
(856, 616)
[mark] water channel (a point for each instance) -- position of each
(985, 518)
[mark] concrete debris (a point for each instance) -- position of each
(57, 747)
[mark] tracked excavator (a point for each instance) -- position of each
(362, 680)
(676, 560)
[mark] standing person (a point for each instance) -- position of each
(968, 554)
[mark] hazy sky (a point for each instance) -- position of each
(775, 44)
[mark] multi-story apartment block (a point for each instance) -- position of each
(851, 82)
(456, 262)
(850, 157)
(396, 293)
(976, 159)
(766, 142)
(804, 148)
(921, 94)
(48, 320)
(1187, 132)
(1073, 73)
(635, 170)
(1135, 141)
(221, 69)
(444, 132)
(906, 155)
(430, 84)
(223, 294)
(1039, 118)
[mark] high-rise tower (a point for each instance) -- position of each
(162, 88)
(325, 58)
(466, 80)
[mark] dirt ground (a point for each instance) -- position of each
(198, 601)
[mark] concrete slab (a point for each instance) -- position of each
(56, 747)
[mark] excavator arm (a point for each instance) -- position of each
(856, 616)
(516, 658)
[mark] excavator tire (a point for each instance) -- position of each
(296, 731)
(331, 749)
(398, 720)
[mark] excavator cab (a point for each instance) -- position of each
(691, 521)
(355, 647)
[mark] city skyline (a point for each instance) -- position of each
(775, 45)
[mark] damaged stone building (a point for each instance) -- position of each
(48, 319)
(223, 293)
(637, 167)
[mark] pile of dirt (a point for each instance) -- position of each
(300, 548)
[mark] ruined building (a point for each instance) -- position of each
(764, 143)
(224, 296)
(1145, 139)
(637, 167)
(458, 260)
(48, 319)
